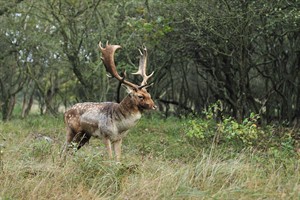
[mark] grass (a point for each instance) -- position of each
(159, 162)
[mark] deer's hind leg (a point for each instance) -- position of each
(82, 138)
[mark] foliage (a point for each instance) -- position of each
(242, 135)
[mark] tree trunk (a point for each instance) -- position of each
(8, 107)
(26, 107)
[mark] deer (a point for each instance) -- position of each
(110, 121)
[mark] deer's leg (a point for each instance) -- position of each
(117, 149)
(108, 147)
(80, 139)
(69, 137)
(84, 139)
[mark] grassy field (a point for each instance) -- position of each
(159, 162)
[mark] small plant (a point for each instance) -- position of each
(203, 129)
(200, 129)
(1, 153)
(246, 132)
(1, 159)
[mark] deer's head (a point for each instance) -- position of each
(137, 93)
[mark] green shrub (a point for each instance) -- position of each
(200, 128)
(228, 130)
(247, 132)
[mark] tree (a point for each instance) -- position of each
(222, 53)
(75, 23)
(13, 70)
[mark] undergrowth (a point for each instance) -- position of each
(247, 134)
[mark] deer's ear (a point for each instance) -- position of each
(129, 89)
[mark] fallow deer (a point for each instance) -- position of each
(108, 120)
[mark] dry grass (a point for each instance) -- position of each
(154, 166)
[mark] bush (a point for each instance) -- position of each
(246, 134)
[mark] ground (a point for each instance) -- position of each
(159, 162)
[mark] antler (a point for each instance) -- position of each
(142, 67)
(109, 62)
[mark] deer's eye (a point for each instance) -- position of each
(141, 97)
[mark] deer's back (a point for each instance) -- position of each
(100, 119)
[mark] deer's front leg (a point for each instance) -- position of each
(108, 147)
(69, 137)
(117, 149)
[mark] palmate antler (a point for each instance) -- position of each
(142, 67)
(108, 60)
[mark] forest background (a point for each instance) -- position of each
(244, 54)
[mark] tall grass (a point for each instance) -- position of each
(158, 162)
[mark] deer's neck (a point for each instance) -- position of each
(126, 114)
(128, 108)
